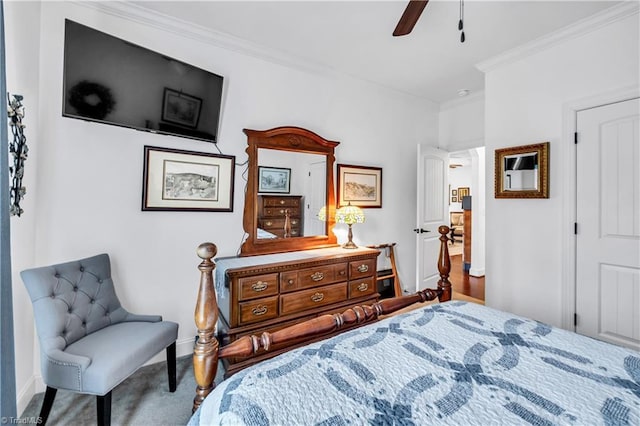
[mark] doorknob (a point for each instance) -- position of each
(420, 230)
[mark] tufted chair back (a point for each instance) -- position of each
(72, 300)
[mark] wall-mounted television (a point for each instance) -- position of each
(112, 81)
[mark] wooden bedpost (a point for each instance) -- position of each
(205, 351)
(444, 265)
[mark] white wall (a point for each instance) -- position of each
(461, 123)
(524, 104)
(478, 212)
(89, 177)
(22, 45)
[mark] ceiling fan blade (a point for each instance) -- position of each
(410, 17)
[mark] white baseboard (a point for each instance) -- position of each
(476, 272)
(36, 384)
(25, 394)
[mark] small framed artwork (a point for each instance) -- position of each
(359, 185)
(180, 108)
(462, 192)
(454, 199)
(522, 171)
(454, 192)
(274, 179)
(175, 180)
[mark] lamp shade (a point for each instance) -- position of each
(322, 214)
(350, 214)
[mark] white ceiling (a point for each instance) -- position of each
(354, 37)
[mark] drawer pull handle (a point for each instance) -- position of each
(259, 286)
(259, 310)
(281, 211)
(317, 276)
(363, 287)
(363, 268)
(281, 201)
(317, 297)
(342, 272)
(269, 223)
(290, 282)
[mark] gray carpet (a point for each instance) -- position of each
(142, 399)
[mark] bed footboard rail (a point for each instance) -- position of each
(207, 353)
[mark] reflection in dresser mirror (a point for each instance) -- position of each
(291, 193)
(290, 199)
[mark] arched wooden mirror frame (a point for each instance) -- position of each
(293, 139)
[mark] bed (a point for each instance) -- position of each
(448, 363)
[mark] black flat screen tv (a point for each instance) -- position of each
(112, 81)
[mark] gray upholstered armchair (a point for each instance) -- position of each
(89, 343)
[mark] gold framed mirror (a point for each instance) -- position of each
(290, 198)
(522, 171)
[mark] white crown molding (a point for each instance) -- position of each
(141, 15)
(456, 102)
(579, 28)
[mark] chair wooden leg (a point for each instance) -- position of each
(171, 366)
(47, 403)
(104, 409)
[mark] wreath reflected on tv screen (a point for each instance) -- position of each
(91, 100)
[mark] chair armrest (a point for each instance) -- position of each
(142, 318)
(62, 370)
(61, 357)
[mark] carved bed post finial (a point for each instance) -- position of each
(205, 351)
(444, 264)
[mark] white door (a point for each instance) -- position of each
(433, 211)
(316, 200)
(608, 217)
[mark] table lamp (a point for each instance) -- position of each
(350, 214)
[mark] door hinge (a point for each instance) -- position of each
(575, 320)
(575, 138)
(575, 228)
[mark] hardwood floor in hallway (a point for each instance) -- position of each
(463, 283)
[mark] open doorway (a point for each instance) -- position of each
(466, 217)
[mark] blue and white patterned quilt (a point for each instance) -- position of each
(453, 363)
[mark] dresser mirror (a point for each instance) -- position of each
(290, 200)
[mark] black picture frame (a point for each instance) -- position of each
(181, 108)
(179, 180)
(274, 180)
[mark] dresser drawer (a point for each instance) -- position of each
(361, 268)
(257, 286)
(288, 281)
(280, 211)
(362, 287)
(258, 310)
(281, 201)
(267, 223)
(315, 297)
(326, 274)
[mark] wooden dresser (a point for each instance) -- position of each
(272, 211)
(269, 292)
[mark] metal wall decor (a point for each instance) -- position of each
(18, 149)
